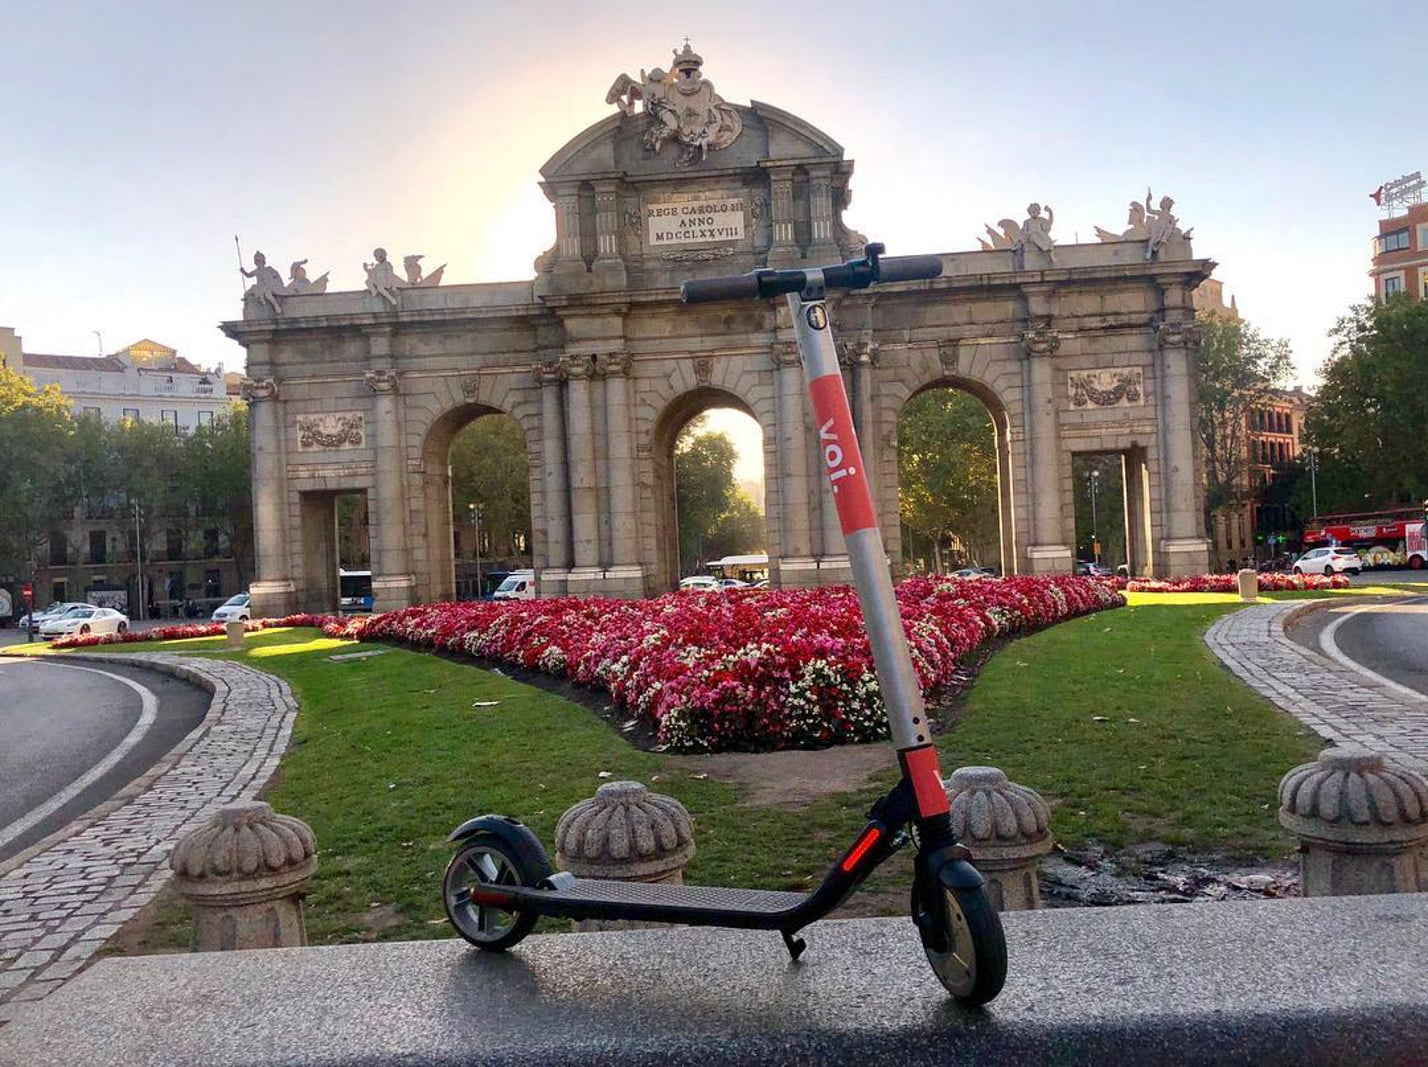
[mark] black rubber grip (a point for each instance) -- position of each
(909, 268)
(729, 287)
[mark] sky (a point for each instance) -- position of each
(138, 139)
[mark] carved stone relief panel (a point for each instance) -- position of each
(1107, 388)
(336, 430)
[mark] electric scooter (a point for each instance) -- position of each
(500, 882)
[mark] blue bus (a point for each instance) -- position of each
(354, 590)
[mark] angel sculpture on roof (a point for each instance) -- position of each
(681, 106)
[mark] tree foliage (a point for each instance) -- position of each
(490, 467)
(35, 491)
(1369, 419)
(947, 474)
(1234, 373)
(703, 488)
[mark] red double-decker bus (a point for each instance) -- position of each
(1393, 538)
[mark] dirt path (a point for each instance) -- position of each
(792, 779)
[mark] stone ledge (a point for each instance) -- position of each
(1327, 980)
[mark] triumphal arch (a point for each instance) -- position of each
(1076, 349)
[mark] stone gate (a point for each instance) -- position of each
(1074, 349)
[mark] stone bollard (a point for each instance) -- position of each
(234, 629)
(628, 834)
(1249, 584)
(244, 873)
(1007, 827)
(1360, 821)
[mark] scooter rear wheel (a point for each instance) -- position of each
(486, 859)
(963, 939)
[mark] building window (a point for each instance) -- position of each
(1392, 285)
(212, 584)
(1396, 241)
(132, 414)
(92, 413)
(205, 418)
(171, 418)
(210, 543)
(59, 590)
(59, 549)
(174, 546)
(98, 546)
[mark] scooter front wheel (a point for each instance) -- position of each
(963, 939)
(486, 859)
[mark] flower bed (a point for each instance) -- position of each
(1229, 583)
(182, 631)
(742, 669)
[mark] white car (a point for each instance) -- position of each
(733, 583)
(235, 607)
(85, 619)
(519, 585)
(699, 583)
(56, 609)
(1328, 561)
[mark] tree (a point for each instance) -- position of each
(1236, 369)
(216, 474)
(947, 474)
(739, 530)
(490, 467)
(1369, 419)
(703, 488)
(35, 435)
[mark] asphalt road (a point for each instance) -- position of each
(72, 735)
(1389, 639)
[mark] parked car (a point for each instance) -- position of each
(234, 608)
(971, 572)
(519, 585)
(733, 583)
(699, 583)
(85, 619)
(1328, 561)
(1092, 569)
(59, 607)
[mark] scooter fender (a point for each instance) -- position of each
(507, 829)
(959, 874)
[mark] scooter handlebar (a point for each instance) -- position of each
(909, 268)
(728, 287)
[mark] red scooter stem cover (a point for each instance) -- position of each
(842, 459)
(922, 771)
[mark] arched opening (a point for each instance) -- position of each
(954, 481)
(478, 502)
(1098, 483)
(709, 490)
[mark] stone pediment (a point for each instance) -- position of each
(614, 147)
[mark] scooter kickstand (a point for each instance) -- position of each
(794, 944)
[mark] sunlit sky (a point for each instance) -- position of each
(139, 138)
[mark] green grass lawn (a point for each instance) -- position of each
(388, 755)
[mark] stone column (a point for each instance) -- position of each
(1183, 549)
(608, 265)
(1049, 552)
(392, 579)
(627, 834)
(821, 246)
(555, 475)
(1360, 821)
(244, 873)
(273, 591)
(1007, 828)
(580, 442)
(625, 576)
(784, 248)
(796, 565)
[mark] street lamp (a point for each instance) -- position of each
(1314, 479)
(1095, 538)
(138, 560)
(475, 510)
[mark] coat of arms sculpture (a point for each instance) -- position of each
(681, 107)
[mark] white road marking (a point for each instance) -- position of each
(1332, 650)
(149, 710)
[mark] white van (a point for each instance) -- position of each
(519, 585)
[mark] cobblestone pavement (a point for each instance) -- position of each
(63, 899)
(1337, 703)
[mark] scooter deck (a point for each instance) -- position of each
(587, 898)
